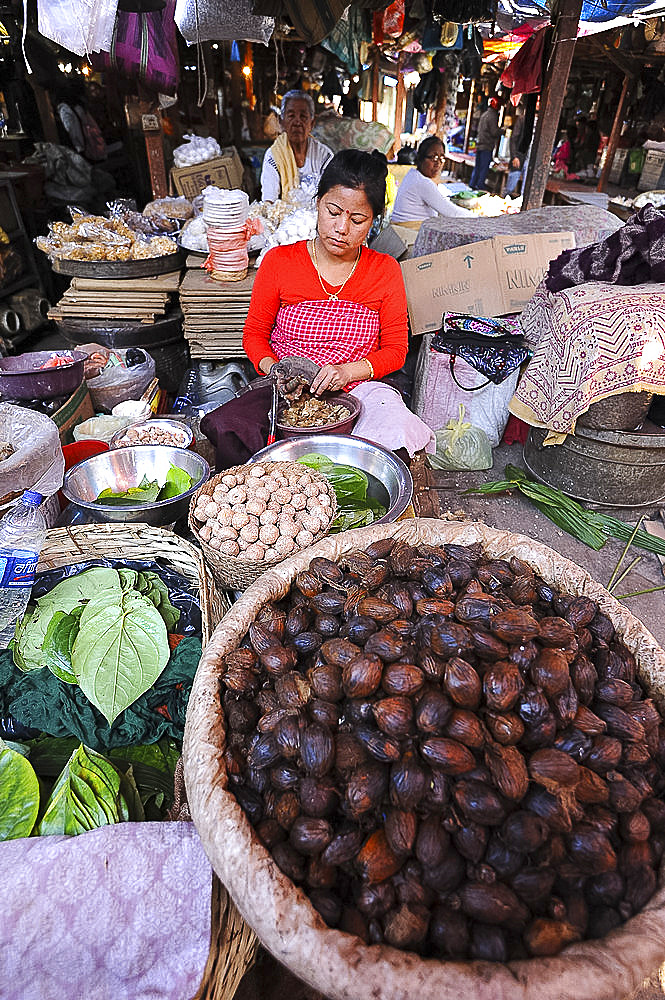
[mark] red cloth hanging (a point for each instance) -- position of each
(524, 72)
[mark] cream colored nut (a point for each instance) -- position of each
(284, 545)
(205, 532)
(283, 495)
(199, 513)
(271, 555)
(224, 515)
(288, 510)
(225, 534)
(299, 501)
(256, 507)
(240, 519)
(311, 489)
(269, 517)
(269, 533)
(304, 538)
(273, 505)
(229, 548)
(310, 523)
(261, 493)
(269, 484)
(211, 509)
(255, 552)
(325, 500)
(257, 471)
(250, 533)
(243, 543)
(215, 543)
(237, 495)
(229, 480)
(315, 508)
(288, 528)
(305, 477)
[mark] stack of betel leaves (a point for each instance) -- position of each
(176, 483)
(354, 508)
(103, 629)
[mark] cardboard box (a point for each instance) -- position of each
(489, 278)
(77, 409)
(225, 171)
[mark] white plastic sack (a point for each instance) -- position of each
(116, 384)
(436, 398)
(215, 20)
(37, 463)
(461, 446)
(197, 149)
(81, 26)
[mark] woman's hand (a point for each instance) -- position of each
(330, 378)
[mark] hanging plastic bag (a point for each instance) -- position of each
(461, 446)
(202, 21)
(82, 28)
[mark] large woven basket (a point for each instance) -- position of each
(68, 546)
(235, 572)
(233, 944)
(338, 964)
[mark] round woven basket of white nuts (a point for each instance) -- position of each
(250, 517)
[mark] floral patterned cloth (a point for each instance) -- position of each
(119, 913)
(593, 341)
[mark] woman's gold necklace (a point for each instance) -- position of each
(334, 296)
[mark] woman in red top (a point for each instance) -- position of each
(335, 302)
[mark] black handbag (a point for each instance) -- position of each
(493, 347)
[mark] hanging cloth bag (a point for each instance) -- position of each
(494, 347)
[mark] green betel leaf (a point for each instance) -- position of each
(177, 482)
(84, 797)
(119, 653)
(19, 794)
(59, 642)
(128, 579)
(157, 592)
(313, 460)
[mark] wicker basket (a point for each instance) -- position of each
(68, 546)
(337, 964)
(233, 571)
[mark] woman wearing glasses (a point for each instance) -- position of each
(418, 196)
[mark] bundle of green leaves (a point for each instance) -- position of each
(56, 786)
(103, 629)
(149, 490)
(354, 508)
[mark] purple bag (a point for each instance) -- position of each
(144, 48)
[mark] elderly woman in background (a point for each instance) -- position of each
(418, 196)
(296, 159)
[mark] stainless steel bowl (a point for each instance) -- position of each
(124, 467)
(175, 427)
(378, 462)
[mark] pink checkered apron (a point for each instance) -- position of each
(326, 332)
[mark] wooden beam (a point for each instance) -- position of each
(400, 102)
(626, 65)
(555, 81)
(375, 84)
(469, 116)
(615, 133)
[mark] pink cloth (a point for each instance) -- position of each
(524, 72)
(326, 332)
(386, 420)
(119, 913)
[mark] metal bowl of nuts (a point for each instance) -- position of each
(427, 759)
(159, 431)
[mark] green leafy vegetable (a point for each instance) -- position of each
(59, 642)
(354, 508)
(119, 652)
(177, 482)
(70, 593)
(148, 491)
(86, 795)
(19, 799)
(588, 526)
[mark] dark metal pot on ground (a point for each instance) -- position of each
(617, 468)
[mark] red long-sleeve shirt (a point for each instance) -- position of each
(287, 276)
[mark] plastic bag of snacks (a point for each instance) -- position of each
(126, 375)
(171, 208)
(94, 237)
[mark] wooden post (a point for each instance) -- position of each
(400, 102)
(615, 133)
(440, 108)
(375, 83)
(469, 116)
(555, 80)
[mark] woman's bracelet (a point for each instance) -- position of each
(370, 366)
